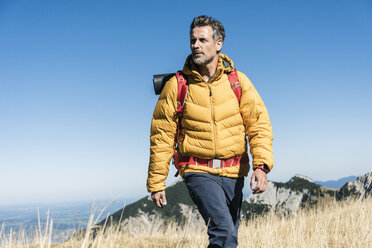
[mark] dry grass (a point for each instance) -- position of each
(335, 224)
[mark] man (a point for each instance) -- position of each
(213, 135)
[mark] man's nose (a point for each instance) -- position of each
(196, 44)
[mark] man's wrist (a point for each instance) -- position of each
(263, 167)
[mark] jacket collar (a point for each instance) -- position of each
(225, 65)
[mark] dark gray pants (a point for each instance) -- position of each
(219, 201)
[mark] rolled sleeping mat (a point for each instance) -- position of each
(160, 80)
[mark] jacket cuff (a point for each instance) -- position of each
(262, 167)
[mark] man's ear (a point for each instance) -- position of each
(219, 44)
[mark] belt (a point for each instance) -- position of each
(214, 163)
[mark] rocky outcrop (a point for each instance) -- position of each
(359, 189)
(276, 197)
(299, 191)
(303, 177)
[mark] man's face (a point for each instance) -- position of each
(203, 47)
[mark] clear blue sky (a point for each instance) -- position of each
(76, 94)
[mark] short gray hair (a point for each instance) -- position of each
(218, 29)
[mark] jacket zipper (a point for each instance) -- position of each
(214, 123)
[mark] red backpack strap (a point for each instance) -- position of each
(182, 92)
(181, 99)
(234, 83)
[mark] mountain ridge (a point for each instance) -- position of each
(299, 192)
(336, 184)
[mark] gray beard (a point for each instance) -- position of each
(202, 60)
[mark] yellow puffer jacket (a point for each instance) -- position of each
(213, 125)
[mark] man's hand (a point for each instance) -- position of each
(159, 198)
(260, 177)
